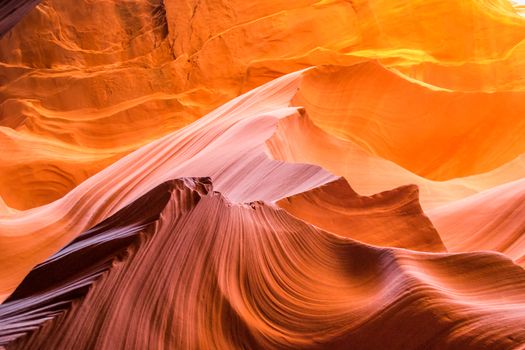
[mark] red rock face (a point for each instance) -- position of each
(262, 175)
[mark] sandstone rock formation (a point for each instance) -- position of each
(210, 174)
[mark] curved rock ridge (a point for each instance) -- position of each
(228, 145)
(51, 289)
(367, 161)
(392, 218)
(479, 212)
(154, 68)
(435, 133)
(490, 220)
(184, 267)
(232, 145)
(90, 83)
(299, 139)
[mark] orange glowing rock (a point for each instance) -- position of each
(158, 66)
(203, 174)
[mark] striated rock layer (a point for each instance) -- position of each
(228, 145)
(367, 161)
(183, 267)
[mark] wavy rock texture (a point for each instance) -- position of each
(339, 100)
(99, 94)
(184, 267)
(69, 88)
(491, 220)
(366, 158)
(228, 145)
(298, 139)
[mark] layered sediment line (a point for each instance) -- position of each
(228, 145)
(204, 174)
(193, 270)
